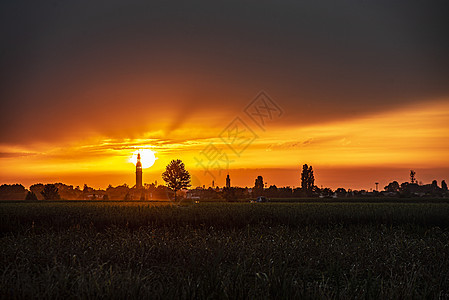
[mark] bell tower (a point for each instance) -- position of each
(138, 172)
(228, 181)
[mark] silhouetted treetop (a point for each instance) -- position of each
(307, 179)
(176, 176)
(31, 196)
(412, 176)
(50, 192)
(392, 187)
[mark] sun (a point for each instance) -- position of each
(147, 157)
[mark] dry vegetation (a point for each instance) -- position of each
(224, 250)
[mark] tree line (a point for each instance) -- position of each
(177, 178)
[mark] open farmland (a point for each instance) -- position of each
(224, 250)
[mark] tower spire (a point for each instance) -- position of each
(138, 172)
(228, 181)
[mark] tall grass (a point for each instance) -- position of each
(22, 217)
(225, 251)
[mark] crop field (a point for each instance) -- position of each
(224, 250)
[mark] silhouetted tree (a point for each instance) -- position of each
(105, 197)
(12, 192)
(435, 188)
(258, 187)
(272, 191)
(176, 176)
(117, 193)
(341, 192)
(405, 190)
(404, 186)
(444, 185)
(392, 187)
(229, 194)
(149, 186)
(37, 189)
(412, 176)
(50, 192)
(298, 192)
(327, 192)
(307, 179)
(285, 192)
(31, 196)
(258, 184)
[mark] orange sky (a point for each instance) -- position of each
(353, 153)
(359, 90)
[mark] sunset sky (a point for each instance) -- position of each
(357, 89)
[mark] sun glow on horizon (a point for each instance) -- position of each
(147, 157)
(410, 137)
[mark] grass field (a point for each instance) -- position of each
(224, 250)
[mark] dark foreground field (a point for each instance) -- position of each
(220, 250)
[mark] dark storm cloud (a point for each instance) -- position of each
(105, 66)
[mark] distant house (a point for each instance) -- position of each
(260, 199)
(93, 195)
(334, 195)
